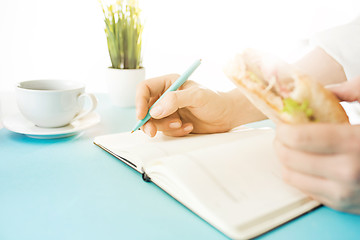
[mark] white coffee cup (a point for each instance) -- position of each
(53, 103)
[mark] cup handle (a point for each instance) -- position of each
(93, 106)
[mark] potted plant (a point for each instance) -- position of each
(123, 29)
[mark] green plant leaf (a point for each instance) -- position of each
(123, 30)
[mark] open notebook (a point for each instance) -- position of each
(231, 180)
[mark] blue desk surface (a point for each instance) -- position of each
(71, 189)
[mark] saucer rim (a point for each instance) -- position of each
(52, 131)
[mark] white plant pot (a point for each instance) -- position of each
(122, 85)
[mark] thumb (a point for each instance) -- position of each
(172, 101)
(348, 91)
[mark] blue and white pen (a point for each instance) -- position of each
(180, 81)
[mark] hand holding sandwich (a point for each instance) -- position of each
(323, 160)
(318, 148)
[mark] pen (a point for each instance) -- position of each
(180, 81)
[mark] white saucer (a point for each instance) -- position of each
(17, 123)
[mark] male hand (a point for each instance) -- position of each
(323, 160)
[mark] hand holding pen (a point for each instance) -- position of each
(173, 87)
(190, 109)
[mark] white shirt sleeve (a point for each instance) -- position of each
(343, 44)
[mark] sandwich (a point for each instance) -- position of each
(281, 92)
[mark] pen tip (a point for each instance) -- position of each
(132, 131)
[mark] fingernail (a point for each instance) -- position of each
(174, 125)
(188, 128)
(156, 111)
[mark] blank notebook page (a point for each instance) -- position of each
(237, 181)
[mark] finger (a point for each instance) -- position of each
(348, 91)
(325, 191)
(320, 138)
(141, 102)
(317, 165)
(335, 202)
(312, 185)
(183, 131)
(169, 123)
(172, 101)
(150, 89)
(331, 193)
(323, 200)
(331, 202)
(149, 128)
